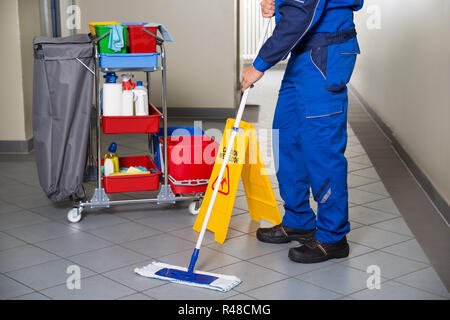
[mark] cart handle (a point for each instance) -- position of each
(102, 37)
(159, 40)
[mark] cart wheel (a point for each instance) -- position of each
(75, 215)
(194, 207)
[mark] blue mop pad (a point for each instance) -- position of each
(162, 271)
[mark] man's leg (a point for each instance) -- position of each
(322, 75)
(299, 221)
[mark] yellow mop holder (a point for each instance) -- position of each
(246, 162)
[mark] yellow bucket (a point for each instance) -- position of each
(107, 23)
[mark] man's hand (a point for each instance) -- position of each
(268, 8)
(249, 76)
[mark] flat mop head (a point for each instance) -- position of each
(162, 271)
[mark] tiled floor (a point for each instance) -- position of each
(37, 244)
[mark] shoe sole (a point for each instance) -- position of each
(335, 255)
(298, 238)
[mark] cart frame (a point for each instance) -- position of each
(100, 199)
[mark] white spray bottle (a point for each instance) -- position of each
(141, 99)
(127, 95)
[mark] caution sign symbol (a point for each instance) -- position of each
(224, 184)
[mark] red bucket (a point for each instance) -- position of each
(191, 161)
(139, 40)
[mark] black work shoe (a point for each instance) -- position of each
(283, 234)
(314, 251)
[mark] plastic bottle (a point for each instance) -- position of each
(127, 96)
(111, 96)
(141, 99)
(111, 158)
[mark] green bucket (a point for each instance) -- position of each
(100, 30)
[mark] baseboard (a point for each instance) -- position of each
(434, 195)
(201, 113)
(16, 146)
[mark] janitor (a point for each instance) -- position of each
(311, 120)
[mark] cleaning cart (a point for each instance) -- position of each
(156, 179)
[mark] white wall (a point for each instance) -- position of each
(201, 61)
(21, 21)
(404, 75)
(12, 114)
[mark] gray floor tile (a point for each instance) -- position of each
(356, 249)
(394, 291)
(391, 266)
(46, 275)
(354, 166)
(363, 159)
(22, 257)
(377, 187)
(368, 216)
(386, 205)
(30, 201)
(10, 288)
(337, 278)
(427, 280)
(292, 289)
(208, 259)
(138, 211)
(354, 181)
(41, 232)
(32, 296)
(397, 225)
(107, 259)
(55, 211)
(191, 235)
(409, 249)
(369, 173)
(8, 242)
(19, 219)
(357, 148)
(7, 208)
(174, 291)
(244, 223)
(247, 247)
(94, 219)
(252, 275)
(241, 297)
(360, 197)
(279, 262)
(170, 220)
(241, 203)
(375, 238)
(355, 225)
(159, 246)
(73, 244)
(137, 297)
(93, 288)
(129, 278)
(125, 232)
(12, 190)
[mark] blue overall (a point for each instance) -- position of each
(311, 115)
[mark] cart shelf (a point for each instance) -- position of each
(129, 60)
(133, 124)
(133, 183)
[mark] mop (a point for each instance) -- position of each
(187, 276)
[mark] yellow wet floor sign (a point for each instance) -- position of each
(246, 162)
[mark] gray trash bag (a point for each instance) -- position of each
(62, 102)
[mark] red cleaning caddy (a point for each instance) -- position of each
(191, 161)
(133, 183)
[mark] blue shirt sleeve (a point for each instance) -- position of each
(296, 18)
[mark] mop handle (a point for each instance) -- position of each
(225, 160)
